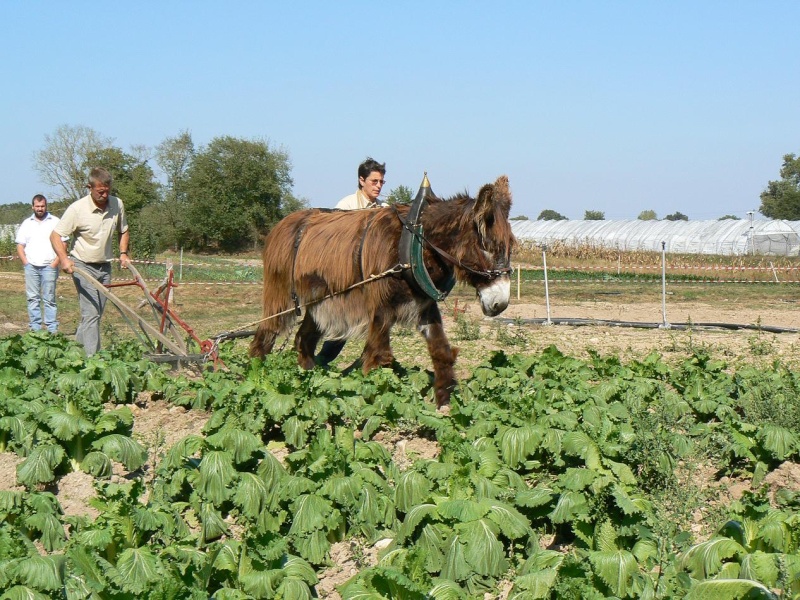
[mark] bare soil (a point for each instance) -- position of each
(628, 340)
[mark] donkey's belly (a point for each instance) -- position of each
(342, 320)
(337, 322)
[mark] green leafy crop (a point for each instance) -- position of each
(553, 477)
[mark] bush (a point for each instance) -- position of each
(7, 245)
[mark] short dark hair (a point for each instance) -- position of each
(38, 197)
(101, 176)
(368, 166)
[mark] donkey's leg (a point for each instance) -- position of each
(263, 341)
(378, 350)
(305, 342)
(269, 329)
(442, 354)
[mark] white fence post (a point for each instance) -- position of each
(546, 288)
(664, 324)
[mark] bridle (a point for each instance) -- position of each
(412, 240)
(417, 233)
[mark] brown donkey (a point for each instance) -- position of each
(312, 256)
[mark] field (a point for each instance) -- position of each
(219, 295)
(684, 431)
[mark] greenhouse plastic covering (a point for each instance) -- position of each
(728, 236)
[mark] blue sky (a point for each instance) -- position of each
(614, 106)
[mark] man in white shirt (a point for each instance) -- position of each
(40, 263)
(370, 183)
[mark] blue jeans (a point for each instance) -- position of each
(92, 304)
(40, 289)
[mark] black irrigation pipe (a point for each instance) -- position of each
(664, 323)
(644, 325)
(658, 281)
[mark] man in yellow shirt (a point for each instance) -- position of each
(92, 222)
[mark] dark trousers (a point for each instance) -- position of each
(329, 351)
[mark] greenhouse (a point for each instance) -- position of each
(728, 236)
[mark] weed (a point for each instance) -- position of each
(358, 554)
(402, 332)
(7, 245)
(760, 345)
(247, 274)
(467, 329)
(512, 335)
(156, 445)
(771, 397)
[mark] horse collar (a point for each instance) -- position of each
(410, 251)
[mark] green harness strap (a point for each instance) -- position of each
(410, 249)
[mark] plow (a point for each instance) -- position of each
(166, 336)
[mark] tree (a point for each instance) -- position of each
(550, 215)
(63, 161)
(168, 218)
(728, 217)
(174, 156)
(402, 194)
(13, 214)
(594, 215)
(677, 216)
(781, 199)
(236, 190)
(647, 215)
(519, 218)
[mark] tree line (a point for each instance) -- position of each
(226, 194)
(549, 214)
(222, 196)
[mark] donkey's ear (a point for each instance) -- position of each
(502, 195)
(483, 205)
(492, 198)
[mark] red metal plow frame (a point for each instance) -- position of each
(168, 321)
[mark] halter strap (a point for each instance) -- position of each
(411, 245)
(488, 273)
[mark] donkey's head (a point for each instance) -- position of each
(477, 238)
(492, 256)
